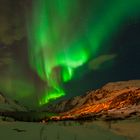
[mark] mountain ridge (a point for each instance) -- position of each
(7, 104)
(115, 99)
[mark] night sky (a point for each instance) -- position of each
(52, 50)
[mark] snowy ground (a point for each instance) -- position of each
(97, 130)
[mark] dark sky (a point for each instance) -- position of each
(126, 44)
(20, 82)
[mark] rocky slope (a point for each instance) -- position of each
(7, 104)
(117, 100)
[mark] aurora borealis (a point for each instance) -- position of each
(55, 52)
(57, 49)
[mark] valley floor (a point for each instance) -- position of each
(96, 130)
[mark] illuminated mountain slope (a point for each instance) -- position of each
(120, 99)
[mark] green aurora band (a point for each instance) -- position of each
(64, 35)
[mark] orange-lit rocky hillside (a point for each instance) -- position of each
(114, 100)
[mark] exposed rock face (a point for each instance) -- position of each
(7, 104)
(93, 96)
(67, 104)
(121, 85)
(118, 99)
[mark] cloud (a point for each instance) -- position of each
(97, 62)
(11, 22)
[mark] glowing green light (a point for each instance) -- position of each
(51, 95)
(57, 38)
(67, 74)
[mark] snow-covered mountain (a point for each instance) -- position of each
(6, 104)
(117, 99)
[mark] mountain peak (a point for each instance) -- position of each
(115, 97)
